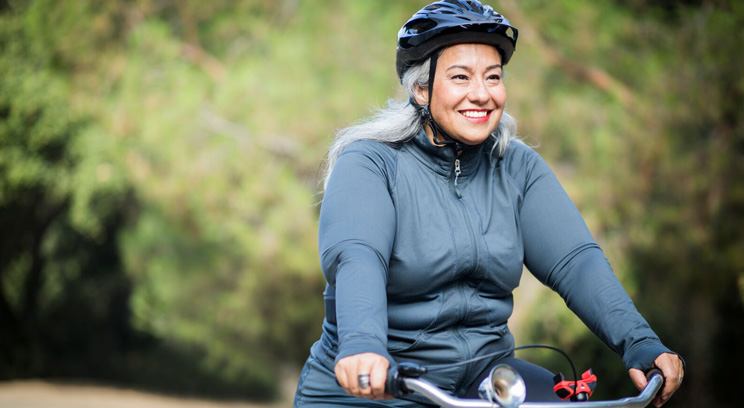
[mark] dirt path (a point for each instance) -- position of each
(43, 394)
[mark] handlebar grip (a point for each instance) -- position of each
(653, 372)
(394, 383)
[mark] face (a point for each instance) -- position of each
(469, 93)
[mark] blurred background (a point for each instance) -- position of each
(159, 166)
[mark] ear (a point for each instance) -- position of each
(421, 95)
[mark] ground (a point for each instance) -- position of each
(45, 394)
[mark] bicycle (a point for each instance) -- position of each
(504, 390)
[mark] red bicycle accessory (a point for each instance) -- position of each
(580, 390)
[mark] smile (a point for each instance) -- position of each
(476, 115)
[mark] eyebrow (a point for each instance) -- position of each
(467, 68)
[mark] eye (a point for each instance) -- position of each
(460, 77)
(494, 77)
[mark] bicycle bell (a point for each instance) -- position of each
(504, 386)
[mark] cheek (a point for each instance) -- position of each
(446, 97)
(443, 104)
(499, 96)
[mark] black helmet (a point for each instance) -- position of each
(450, 22)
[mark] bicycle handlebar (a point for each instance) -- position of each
(399, 384)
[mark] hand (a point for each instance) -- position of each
(376, 366)
(672, 368)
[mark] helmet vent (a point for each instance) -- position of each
(510, 32)
(420, 26)
(473, 5)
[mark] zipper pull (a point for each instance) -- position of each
(457, 175)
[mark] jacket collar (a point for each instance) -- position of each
(441, 159)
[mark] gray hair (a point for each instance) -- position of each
(399, 122)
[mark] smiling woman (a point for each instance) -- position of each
(431, 210)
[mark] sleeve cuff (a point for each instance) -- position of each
(643, 358)
(351, 349)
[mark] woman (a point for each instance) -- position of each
(431, 209)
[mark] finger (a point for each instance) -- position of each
(346, 374)
(679, 365)
(670, 365)
(341, 377)
(352, 379)
(378, 377)
(364, 369)
(681, 368)
(671, 383)
(638, 378)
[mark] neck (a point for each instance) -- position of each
(441, 139)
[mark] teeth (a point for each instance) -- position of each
(475, 114)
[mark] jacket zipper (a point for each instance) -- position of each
(466, 352)
(457, 176)
(458, 171)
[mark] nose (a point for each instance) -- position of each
(478, 92)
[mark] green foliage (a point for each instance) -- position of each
(656, 177)
(159, 163)
(56, 215)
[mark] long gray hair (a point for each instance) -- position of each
(399, 122)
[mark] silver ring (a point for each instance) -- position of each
(679, 379)
(363, 381)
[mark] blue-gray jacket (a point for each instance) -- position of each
(421, 263)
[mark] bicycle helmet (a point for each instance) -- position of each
(450, 22)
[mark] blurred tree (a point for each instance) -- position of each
(158, 164)
(671, 214)
(691, 256)
(181, 209)
(47, 256)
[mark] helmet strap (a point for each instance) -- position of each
(432, 70)
(426, 111)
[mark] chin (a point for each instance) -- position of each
(471, 141)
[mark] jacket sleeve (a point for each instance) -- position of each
(561, 253)
(356, 234)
